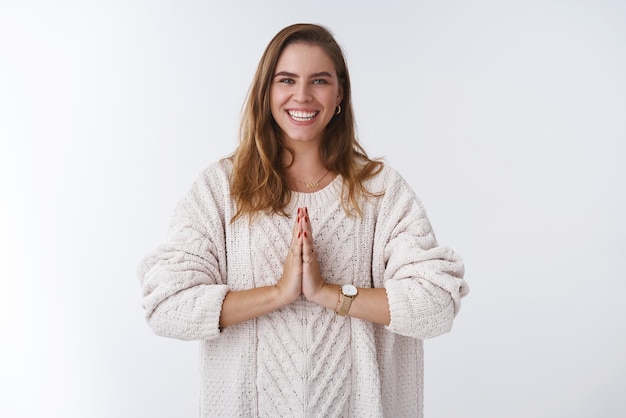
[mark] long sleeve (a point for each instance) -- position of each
(424, 281)
(184, 280)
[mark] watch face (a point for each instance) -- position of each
(348, 290)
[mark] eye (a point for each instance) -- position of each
(286, 81)
(320, 81)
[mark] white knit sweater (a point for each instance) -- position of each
(304, 360)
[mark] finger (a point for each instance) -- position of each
(295, 245)
(307, 222)
(308, 251)
(307, 231)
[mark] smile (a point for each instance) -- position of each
(301, 116)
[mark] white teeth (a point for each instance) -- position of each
(302, 116)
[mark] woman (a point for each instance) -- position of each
(308, 271)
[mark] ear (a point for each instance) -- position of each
(339, 96)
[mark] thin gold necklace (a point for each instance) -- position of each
(311, 184)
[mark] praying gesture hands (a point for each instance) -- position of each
(301, 273)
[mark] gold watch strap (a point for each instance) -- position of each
(343, 304)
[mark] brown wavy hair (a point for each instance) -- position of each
(259, 181)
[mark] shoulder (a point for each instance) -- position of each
(397, 196)
(388, 180)
(219, 170)
(211, 188)
(215, 176)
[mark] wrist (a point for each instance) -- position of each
(326, 295)
(281, 297)
(347, 293)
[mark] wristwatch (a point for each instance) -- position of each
(347, 293)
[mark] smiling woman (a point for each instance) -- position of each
(309, 272)
(304, 95)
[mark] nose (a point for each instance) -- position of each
(302, 93)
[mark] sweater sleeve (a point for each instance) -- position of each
(183, 280)
(424, 281)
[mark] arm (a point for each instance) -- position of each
(419, 284)
(183, 281)
(242, 305)
(370, 304)
(424, 281)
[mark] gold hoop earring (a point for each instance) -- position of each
(338, 110)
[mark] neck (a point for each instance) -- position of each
(304, 162)
(308, 174)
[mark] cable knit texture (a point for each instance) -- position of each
(303, 360)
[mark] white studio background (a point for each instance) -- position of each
(507, 117)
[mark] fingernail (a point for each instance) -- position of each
(306, 219)
(305, 234)
(299, 211)
(299, 233)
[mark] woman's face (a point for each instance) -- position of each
(304, 93)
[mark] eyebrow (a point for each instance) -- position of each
(292, 75)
